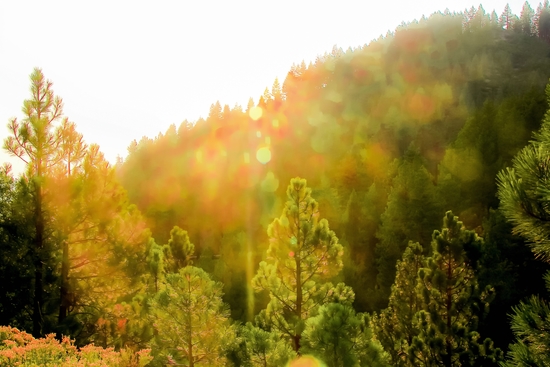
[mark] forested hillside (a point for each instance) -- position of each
(352, 214)
(388, 136)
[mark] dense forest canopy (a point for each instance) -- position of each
(383, 206)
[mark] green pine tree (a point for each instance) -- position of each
(16, 252)
(523, 191)
(191, 321)
(395, 326)
(33, 140)
(264, 348)
(303, 253)
(341, 338)
(452, 301)
(410, 215)
(178, 250)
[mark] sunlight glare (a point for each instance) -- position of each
(306, 361)
(263, 155)
(255, 113)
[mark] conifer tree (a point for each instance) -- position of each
(264, 348)
(452, 301)
(341, 338)
(506, 18)
(410, 215)
(303, 253)
(361, 220)
(178, 251)
(267, 95)
(276, 91)
(155, 263)
(136, 330)
(34, 141)
(215, 113)
(101, 237)
(526, 19)
(523, 192)
(250, 104)
(530, 323)
(395, 326)
(190, 319)
(543, 21)
(16, 251)
(479, 19)
(66, 176)
(493, 19)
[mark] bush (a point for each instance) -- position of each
(18, 348)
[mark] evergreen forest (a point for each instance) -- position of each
(386, 205)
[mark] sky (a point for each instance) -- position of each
(128, 69)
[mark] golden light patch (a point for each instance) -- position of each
(275, 123)
(263, 155)
(255, 113)
(306, 361)
(246, 157)
(258, 134)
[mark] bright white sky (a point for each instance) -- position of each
(126, 69)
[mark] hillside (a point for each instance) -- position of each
(384, 205)
(459, 91)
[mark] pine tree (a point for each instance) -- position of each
(410, 215)
(101, 236)
(341, 338)
(215, 113)
(250, 104)
(452, 301)
(276, 91)
(190, 319)
(71, 153)
(395, 326)
(494, 19)
(526, 19)
(264, 348)
(361, 220)
(34, 141)
(530, 323)
(16, 251)
(543, 22)
(507, 264)
(479, 19)
(178, 251)
(155, 264)
(506, 18)
(523, 191)
(267, 96)
(303, 253)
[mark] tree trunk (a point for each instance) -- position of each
(64, 289)
(190, 335)
(448, 347)
(38, 263)
(299, 300)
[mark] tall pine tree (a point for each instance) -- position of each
(411, 214)
(451, 302)
(33, 140)
(303, 253)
